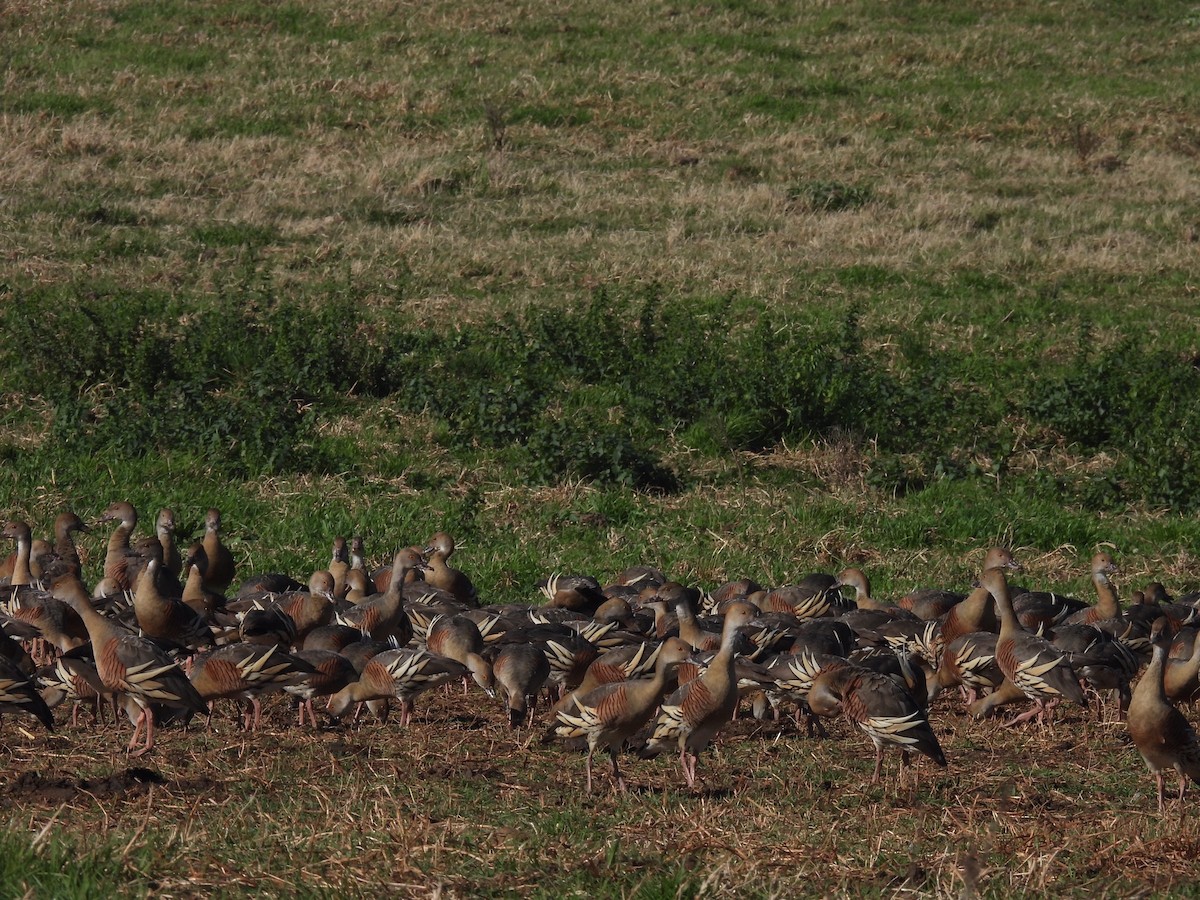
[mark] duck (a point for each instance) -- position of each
(221, 567)
(868, 611)
(401, 674)
(441, 575)
(1032, 666)
(684, 601)
(520, 671)
(246, 671)
(18, 694)
(117, 574)
(383, 615)
(977, 612)
(1101, 661)
(1162, 734)
(307, 609)
(131, 665)
(56, 623)
(619, 664)
(339, 565)
(693, 715)
(164, 530)
(458, 638)
(611, 714)
(886, 712)
(331, 673)
(1108, 605)
(66, 554)
(22, 574)
(167, 619)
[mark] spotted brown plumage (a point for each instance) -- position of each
(383, 616)
(612, 713)
(131, 665)
(245, 671)
(1031, 664)
(886, 712)
(691, 717)
(1161, 733)
(400, 674)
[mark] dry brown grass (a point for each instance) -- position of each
(460, 805)
(394, 176)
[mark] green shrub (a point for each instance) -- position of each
(590, 393)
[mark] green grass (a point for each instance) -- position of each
(741, 290)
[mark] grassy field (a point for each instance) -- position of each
(739, 289)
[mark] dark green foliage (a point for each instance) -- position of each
(591, 393)
(136, 374)
(1141, 403)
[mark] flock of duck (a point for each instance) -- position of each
(642, 664)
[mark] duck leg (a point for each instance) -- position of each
(878, 765)
(689, 761)
(617, 772)
(1035, 710)
(137, 730)
(148, 717)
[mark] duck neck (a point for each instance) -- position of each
(1108, 606)
(146, 591)
(65, 549)
(973, 612)
(689, 628)
(727, 653)
(1009, 624)
(71, 591)
(1153, 677)
(118, 547)
(170, 553)
(193, 588)
(21, 571)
